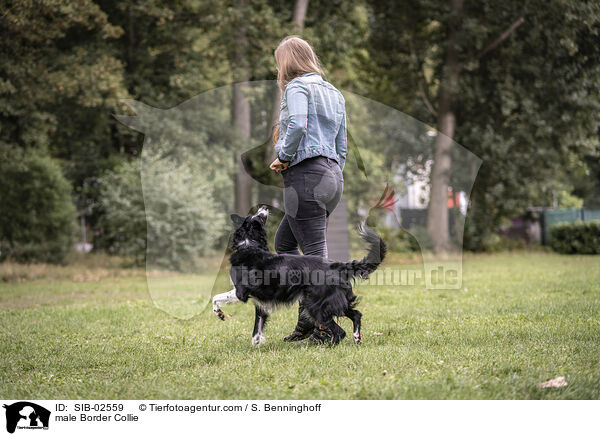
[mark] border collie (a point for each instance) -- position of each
(272, 280)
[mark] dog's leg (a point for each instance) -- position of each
(338, 333)
(224, 298)
(260, 318)
(355, 316)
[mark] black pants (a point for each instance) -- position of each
(312, 190)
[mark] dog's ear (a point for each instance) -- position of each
(237, 220)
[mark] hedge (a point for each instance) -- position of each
(576, 238)
(171, 226)
(37, 216)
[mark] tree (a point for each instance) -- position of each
(241, 112)
(60, 83)
(38, 217)
(514, 83)
(437, 213)
(172, 225)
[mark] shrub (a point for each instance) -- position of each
(37, 215)
(576, 238)
(175, 222)
(398, 240)
(122, 222)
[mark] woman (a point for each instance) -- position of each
(311, 153)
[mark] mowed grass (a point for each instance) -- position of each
(520, 319)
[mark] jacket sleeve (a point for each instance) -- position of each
(297, 101)
(341, 142)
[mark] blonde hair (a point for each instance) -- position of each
(294, 57)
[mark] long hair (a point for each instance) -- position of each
(294, 57)
(276, 132)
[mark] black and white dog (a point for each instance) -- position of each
(271, 280)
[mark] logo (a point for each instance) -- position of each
(26, 415)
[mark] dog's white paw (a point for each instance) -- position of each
(257, 340)
(219, 313)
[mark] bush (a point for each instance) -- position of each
(397, 240)
(175, 222)
(576, 238)
(122, 222)
(37, 215)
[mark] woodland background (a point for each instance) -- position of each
(515, 82)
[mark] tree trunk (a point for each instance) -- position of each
(241, 122)
(298, 18)
(437, 214)
(299, 15)
(241, 119)
(130, 41)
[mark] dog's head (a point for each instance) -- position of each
(250, 231)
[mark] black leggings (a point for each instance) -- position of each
(312, 190)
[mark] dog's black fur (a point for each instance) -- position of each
(323, 301)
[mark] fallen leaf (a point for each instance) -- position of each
(557, 382)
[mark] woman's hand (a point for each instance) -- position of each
(278, 166)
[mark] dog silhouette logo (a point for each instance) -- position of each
(26, 415)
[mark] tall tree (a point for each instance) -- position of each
(60, 81)
(299, 14)
(58, 74)
(241, 112)
(298, 18)
(521, 92)
(437, 213)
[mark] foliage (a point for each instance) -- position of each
(586, 180)
(363, 189)
(37, 218)
(60, 81)
(398, 240)
(122, 225)
(529, 107)
(567, 201)
(576, 238)
(176, 221)
(531, 110)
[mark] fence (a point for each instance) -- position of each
(552, 217)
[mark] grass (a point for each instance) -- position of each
(93, 332)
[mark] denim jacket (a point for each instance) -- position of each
(312, 121)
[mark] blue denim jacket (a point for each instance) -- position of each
(312, 121)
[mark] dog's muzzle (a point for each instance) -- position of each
(262, 212)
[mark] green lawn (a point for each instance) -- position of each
(520, 319)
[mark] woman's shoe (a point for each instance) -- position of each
(297, 335)
(304, 327)
(321, 336)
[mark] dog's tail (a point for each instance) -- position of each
(369, 263)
